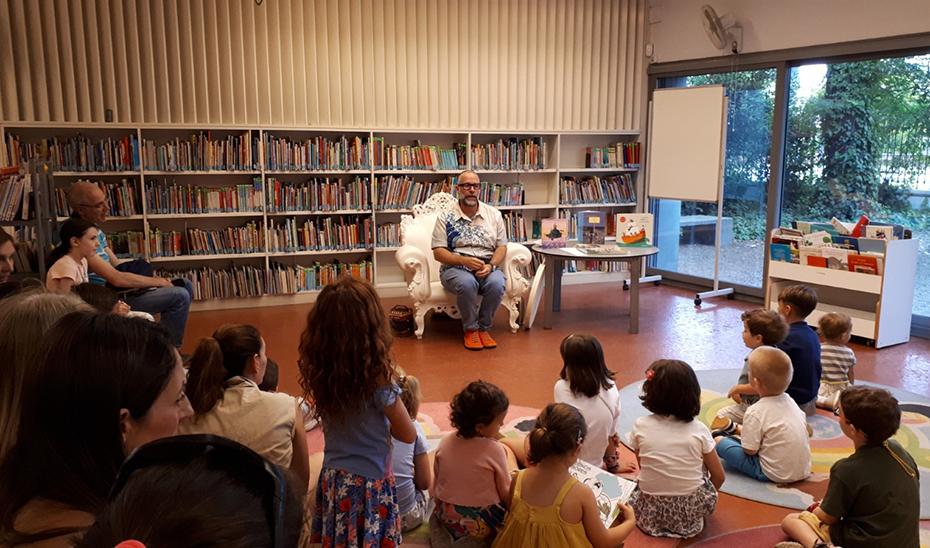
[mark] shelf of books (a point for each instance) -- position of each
(269, 213)
(866, 270)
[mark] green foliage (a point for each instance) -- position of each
(860, 143)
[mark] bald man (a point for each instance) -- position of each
(7, 250)
(155, 295)
(470, 242)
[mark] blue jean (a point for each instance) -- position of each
(171, 303)
(468, 288)
(731, 451)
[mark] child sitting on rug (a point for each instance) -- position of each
(836, 359)
(413, 472)
(471, 468)
(760, 327)
(774, 445)
(352, 383)
(548, 507)
(679, 470)
(873, 498)
(586, 383)
(795, 303)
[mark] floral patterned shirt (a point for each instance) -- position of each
(475, 237)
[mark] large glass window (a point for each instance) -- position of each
(858, 142)
(686, 230)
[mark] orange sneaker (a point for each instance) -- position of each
(473, 340)
(486, 340)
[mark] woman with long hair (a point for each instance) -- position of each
(69, 260)
(104, 386)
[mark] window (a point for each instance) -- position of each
(858, 142)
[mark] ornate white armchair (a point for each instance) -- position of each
(415, 257)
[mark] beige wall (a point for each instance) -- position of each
(436, 64)
(676, 31)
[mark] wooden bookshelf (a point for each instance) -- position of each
(562, 155)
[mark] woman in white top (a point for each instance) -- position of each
(222, 386)
(588, 385)
(69, 260)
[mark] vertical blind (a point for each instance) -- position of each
(430, 64)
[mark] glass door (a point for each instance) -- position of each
(686, 231)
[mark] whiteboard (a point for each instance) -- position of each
(687, 140)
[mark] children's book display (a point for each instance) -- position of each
(634, 229)
(839, 245)
(554, 233)
(610, 491)
(592, 232)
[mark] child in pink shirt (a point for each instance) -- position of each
(471, 469)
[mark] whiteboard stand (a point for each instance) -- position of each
(686, 155)
(716, 291)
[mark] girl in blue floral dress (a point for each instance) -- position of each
(346, 370)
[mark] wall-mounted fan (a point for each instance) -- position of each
(723, 32)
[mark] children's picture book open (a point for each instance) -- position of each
(609, 490)
(554, 232)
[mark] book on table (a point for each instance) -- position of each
(554, 232)
(634, 229)
(610, 490)
(592, 227)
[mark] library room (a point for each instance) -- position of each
(290, 273)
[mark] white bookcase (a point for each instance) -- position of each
(564, 156)
(880, 306)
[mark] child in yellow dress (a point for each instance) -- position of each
(548, 507)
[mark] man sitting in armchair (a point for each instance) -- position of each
(471, 241)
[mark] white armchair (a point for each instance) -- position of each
(415, 257)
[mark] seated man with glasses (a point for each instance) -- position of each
(154, 295)
(471, 241)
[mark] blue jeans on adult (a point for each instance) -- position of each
(171, 303)
(731, 451)
(468, 289)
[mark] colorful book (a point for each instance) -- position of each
(554, 232)
(867, 264)
(781, 252)
(610, 490)
(592, 228)
(837, 259)
(880, 232)
(818, 239)
(634, 229)
(846, 242)
(871, 245)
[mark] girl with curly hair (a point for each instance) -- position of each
(347, 373)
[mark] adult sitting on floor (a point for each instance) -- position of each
(471, 242)
(152, 294)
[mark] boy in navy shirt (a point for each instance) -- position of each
(795, 303)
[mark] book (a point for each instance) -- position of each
(817, 260)
(842, 229)
(837, 259)
(591, 227)
(871, 245)
(822, 227)
(846, 242)
(880, 232)
(811, 256)
(818, 239)
(867, 264)
(781, 252)
(610, 491)
(554, 232)
(601, 249)
(634, 229)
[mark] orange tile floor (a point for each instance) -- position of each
(526, 364)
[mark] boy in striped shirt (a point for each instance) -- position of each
(836, 359)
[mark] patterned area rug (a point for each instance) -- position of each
(434, 418)
(827, 445)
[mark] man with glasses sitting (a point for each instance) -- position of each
(471, 241)
(151, 294)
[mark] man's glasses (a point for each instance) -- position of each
(223, 454)
(469, 186)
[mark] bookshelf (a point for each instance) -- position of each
(33, 229)
(187, 180)
(879, 305)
